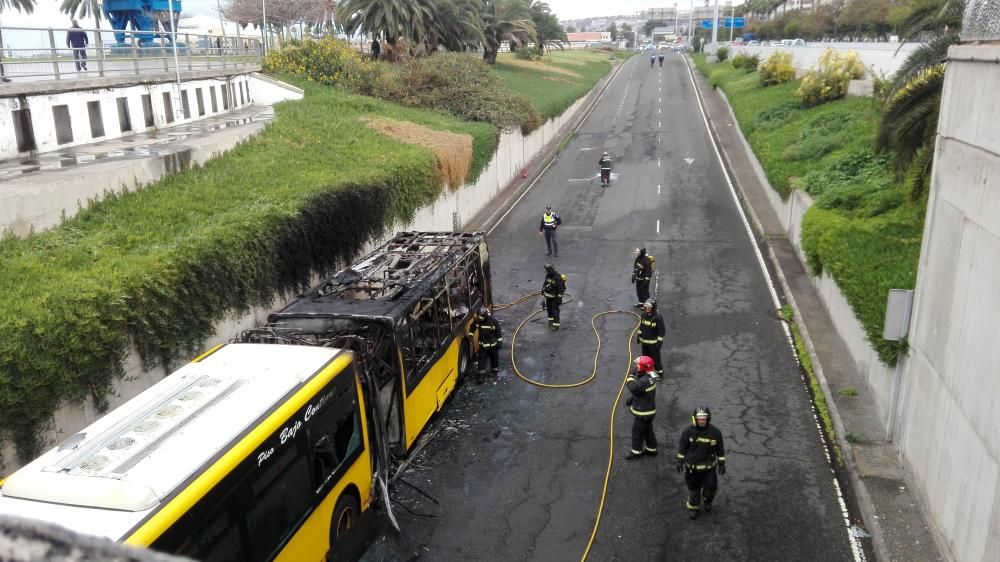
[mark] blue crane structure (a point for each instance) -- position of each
(143, 16)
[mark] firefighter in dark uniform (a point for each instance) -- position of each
(642, 404)
(642, 271)
(490, 340)
(700, 454)
(651, 331)
(552, 292)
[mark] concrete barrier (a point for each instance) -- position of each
(878, 57)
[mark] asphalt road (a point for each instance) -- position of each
(516, 471)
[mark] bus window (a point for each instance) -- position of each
(215, 539)
(442, 311)
(279, 498)
(458, 281)
(424, 341)
(336, 439)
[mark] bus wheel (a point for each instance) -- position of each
(345, 515)
(464, 360)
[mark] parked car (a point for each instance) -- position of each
(753, 43)
(798, 43)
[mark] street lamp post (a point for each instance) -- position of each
(173, 41)
(715, 27)
(677, 16)
(732, 21)
(263, 11)
(691, 26)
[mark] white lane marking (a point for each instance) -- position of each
(657, 226)
(586, 148)
(542, 173)
(593, 177)
(659, 100)
(657, 162)
(659, 124)
(659, 110)
(689, 161)
(859, 555)
(657, 189)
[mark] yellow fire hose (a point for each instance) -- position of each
(593, 373)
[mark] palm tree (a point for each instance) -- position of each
(547, 29)
(411, 20)
(909, 122)
(458, 25)
(506, 20)
(81, 9)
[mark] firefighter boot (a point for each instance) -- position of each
(632, 455)
(706, 505)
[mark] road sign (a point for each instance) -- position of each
(725, 23)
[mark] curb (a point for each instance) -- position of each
(864, 501)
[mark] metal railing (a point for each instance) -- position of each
(29, 54)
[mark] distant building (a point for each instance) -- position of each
(586, 37)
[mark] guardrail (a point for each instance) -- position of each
(29, 54)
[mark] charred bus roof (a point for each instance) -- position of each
(386, 283)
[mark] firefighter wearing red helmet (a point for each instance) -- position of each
(642, 385)
(701, 455)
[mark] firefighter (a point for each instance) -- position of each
(700, 454)
(605, 163)
(552, 292)
(490, 341)
(651, 331)
(642, 270)
(550, 222)
(642, 404)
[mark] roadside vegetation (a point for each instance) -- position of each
(556, 81)
(154, 269)
(862, 229)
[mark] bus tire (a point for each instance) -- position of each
(345, 515)
(464, 359)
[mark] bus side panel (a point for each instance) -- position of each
(312, 540)
(424, 400)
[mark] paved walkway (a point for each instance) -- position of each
(892, 511)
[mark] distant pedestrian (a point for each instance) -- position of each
(642, 271)
(218, 44)
(376, 49)
(77, 40)
(552, 292)
(550, 222)
(699, 454)
(642, 385)
(490, 340)
(605, 165)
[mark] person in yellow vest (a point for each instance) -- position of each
(550, 222)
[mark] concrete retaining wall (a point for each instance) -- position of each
(949, 411)
(452, 209)
(881, 57)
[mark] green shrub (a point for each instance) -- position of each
(327, 61)
(746, 62)
(777, 115)
(829, 80)
(717, 77)
(777, 69)
(722, 53)
(460, 84)
(528, 53)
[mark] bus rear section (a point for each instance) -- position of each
(406, 308)
(251, 452)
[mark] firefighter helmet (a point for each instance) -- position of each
(550, 268)
(641, 250)
(483, 311)
(701, 412)
(651, 303)
(644, 363)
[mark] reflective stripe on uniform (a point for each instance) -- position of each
(641, 413)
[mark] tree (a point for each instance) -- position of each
(80, 9)
(629, 36)
(548, 32)
(458, 26)
(570, 29)
(506, 20)
(613, 30)
(392, 20)
(27, 6)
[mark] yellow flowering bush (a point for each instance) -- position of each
(828, 81)
(328, 61)
(777, 69)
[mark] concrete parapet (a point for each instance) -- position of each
(861, 88)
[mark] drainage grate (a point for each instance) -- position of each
(215, 105)
(201, 101)
(124, 119)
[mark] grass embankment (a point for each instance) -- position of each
(862, 229)
(159, 267)
(555, 82)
